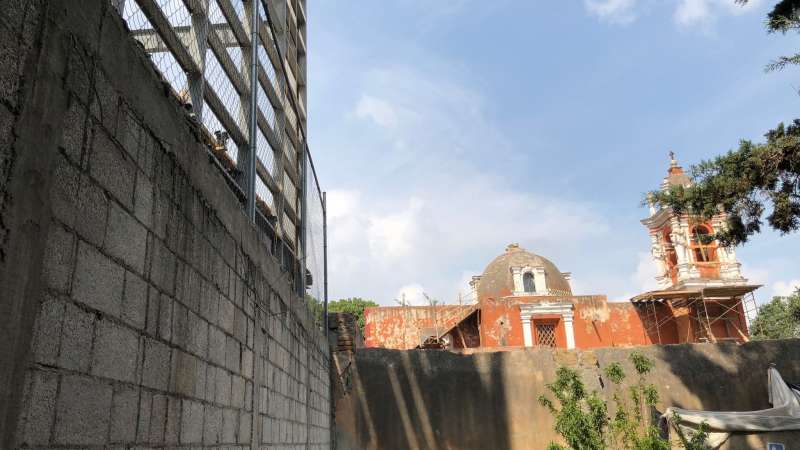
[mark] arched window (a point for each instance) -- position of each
(527, 282)
(703, 247)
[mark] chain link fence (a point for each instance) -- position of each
(203, 49)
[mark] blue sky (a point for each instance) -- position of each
(443, 131)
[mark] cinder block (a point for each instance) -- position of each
(216, 345)
(115, 353)
(64, 190)
(134, 302)
(74, 130)
(155, 373)
(153, 301)
(185, 370)
(223, 389)
(48, 330)
(98, 280)
(40, 408)
(112, 168)
(124, 408)
(59, 258)
(230, 426)
(232, 354)
(165, 311)
(239, 325)
(198, 335)
(145, 408)
(191, 422)
(76, 339)
(126, 238)
(209, 305)
(226, 315)
(245, 425)
(162, 266)
(158, 418)
(180, 325)
(212, 425)
(172, 428)
(83, 411)
(143, 200)
(247, 364)
(237, 392)
(91, 211)
(200, 375)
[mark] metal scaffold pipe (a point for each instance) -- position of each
(251, 160)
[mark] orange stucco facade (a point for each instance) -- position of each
(595, 323)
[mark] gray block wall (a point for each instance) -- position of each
(139, 306)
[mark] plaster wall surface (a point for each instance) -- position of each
(434, 399)
(140, 308)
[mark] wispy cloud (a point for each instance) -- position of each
(612, 11)
(686, 14)
(785, 288)
(431, 206)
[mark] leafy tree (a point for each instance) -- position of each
(756, 178)
(316, 308)
(778, 319)
(583, 421)
(582, 418)
(694, 441)
(632, 425)
(354, 306)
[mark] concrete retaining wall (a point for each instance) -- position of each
(433, 399)
(139, 306)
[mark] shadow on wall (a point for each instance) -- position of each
(424, 404)
(430, 399)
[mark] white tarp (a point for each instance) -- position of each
(784, 414)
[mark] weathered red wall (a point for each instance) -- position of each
(399, 327)
(596, 323)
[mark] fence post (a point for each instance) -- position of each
(325, 260)
(303, 222)
(252, 124)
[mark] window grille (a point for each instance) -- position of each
(546, 334)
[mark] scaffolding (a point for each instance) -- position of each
(734, 306)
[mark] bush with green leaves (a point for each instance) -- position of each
(582, 418)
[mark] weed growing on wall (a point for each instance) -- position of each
(582, 418)
(583, 421)
(632, 426)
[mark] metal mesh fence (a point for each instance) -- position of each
(203, 49)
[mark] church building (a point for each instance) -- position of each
(524, 300)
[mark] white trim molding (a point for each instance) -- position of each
(529, 311)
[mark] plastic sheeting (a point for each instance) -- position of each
(784, 414)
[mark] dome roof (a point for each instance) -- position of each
(497, 280)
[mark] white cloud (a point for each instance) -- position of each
(425, 207)
(413, 294)
(612, 11)
(376, 110)
(646, 271)
(785, 288)
(702, 13)
(686, 13)
(692, 12)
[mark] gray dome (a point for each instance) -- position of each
(497, 280)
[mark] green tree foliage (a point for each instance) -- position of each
(690, 441)
(756, 178)
(581, 418)
(354, 306)
(632, 425)
(778, 319)
(583, 421)
(316, 308)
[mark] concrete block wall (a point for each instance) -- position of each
(141, 308)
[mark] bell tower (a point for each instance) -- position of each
(680, 247)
